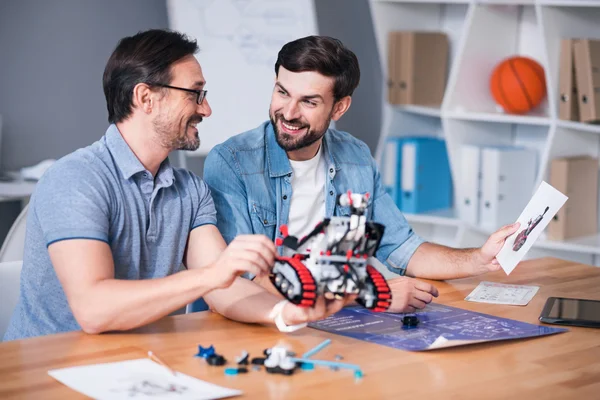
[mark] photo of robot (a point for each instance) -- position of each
(334, 260)
(524, 234)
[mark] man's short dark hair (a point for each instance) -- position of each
(325, 55)
(144, 57)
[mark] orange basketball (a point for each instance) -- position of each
(518, 84)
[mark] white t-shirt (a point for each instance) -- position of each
(307, 207)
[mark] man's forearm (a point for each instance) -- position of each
(434, 261)
(243, 301)
(113, 304)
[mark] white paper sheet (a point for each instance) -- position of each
(500, 293)
(137, 379)
(542, 207)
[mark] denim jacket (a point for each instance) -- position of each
(249, 176)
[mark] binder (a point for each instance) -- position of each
(568, 108)
(508, 177)
(425, 178)
(391, 164)
(470, 183)
(577, 178)
(587, 74)
(418, 67)
(393, 83)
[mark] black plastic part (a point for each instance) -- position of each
(244, 361)
(279, 370)
(216, 359)
(258, 361)
(410, 320)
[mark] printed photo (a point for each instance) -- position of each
(542, 207)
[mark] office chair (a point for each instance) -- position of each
(14, 244)
(10, 275)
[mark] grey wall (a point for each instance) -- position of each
(350, 21)
(52, 55)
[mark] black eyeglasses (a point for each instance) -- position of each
(200, 94)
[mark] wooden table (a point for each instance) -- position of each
(561, 366)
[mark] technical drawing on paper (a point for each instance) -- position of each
(435, 321)
(151, 386)
(499, 293)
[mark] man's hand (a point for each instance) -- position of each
(409, 294)
(487, 254)
(246, 253)
(293, 315)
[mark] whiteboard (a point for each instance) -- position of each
(239, 41)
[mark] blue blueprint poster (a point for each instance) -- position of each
(439, 326)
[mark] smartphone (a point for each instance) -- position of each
(575, 312)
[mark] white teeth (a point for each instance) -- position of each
(289, 127)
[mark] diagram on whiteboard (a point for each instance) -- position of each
(257, 29)
(239, 41)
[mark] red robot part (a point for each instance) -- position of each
(381, 291)
(306, 294)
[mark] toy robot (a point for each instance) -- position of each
(524, 234)
(335, 260)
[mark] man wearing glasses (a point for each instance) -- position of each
(111, 226)
(291, 169)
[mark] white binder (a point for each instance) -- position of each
(470, 183)
(508, 178)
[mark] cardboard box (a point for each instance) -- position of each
(577, 178)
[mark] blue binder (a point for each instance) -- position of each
(390, 167)
(425, 181)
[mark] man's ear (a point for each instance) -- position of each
(340, 107)
(143, 97)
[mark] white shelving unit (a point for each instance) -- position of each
(481, 34)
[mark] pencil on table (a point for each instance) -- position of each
(155, 358)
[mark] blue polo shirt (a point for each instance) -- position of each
(103, 192)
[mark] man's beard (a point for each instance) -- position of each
(168, 133)
(290, 142)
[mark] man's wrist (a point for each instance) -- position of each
(277, 317)
(478, 262)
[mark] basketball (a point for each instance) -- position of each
(518, 84)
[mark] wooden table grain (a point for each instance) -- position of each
(561, 366)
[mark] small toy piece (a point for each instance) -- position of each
(235, 371)
(307, 367)
(279, 361)
(410, 321)
(317, 348)
(243, 358)
(334, 262)
(216, 359)
(330, 364)
(211, 357)
(205, 352)
(256, 367)
(258, 361)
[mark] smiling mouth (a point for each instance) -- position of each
(289, 128)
